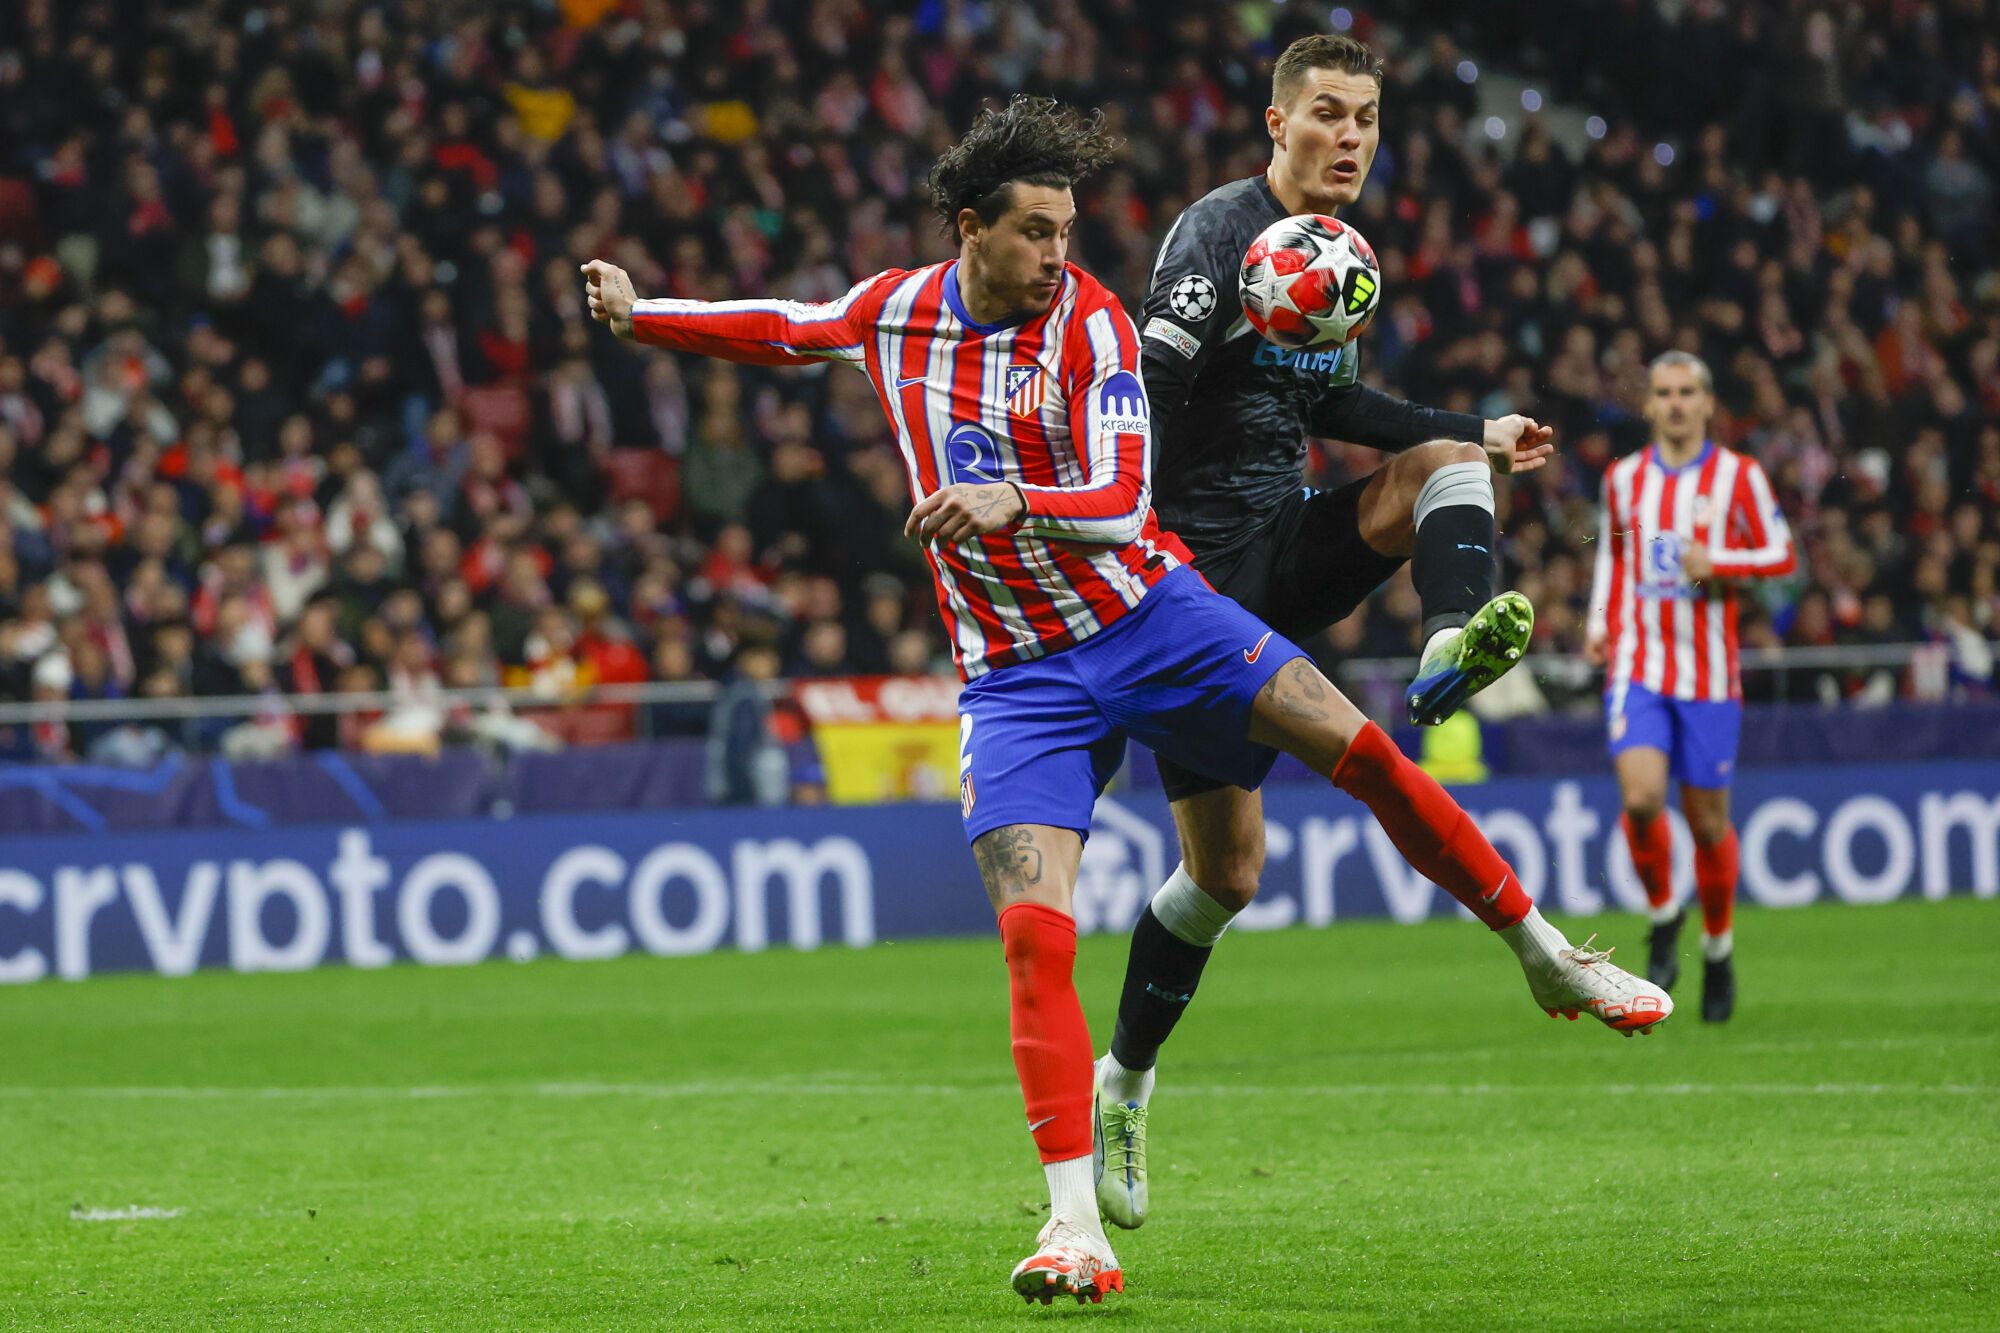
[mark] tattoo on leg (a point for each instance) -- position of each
(1009, 861)
(1298, 693)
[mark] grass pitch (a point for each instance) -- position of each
(1365, 1127)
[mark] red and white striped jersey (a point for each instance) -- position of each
(1662, 631)
(1053, 404)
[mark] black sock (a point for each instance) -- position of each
(1453, 566)
(1160, 977)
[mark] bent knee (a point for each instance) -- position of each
(1231, 881)
(1644, 808)
(1233, 893)
(1437, 475)
(1709, 830)
(1429, 458)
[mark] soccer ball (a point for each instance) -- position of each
(1309, 280)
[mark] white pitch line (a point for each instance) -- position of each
(1489, 1055)
(762, 1088)
(128, 1214)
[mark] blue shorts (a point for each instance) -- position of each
(1698, 736)
(1038, 741)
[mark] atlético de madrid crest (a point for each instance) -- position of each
(1024, 390)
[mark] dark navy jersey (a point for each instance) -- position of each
(1231, 412)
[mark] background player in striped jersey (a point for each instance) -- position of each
(1684, 520)
(1075, 620)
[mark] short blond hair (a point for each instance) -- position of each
(1687, 360)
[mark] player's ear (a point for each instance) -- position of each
(1274, 122)
(969, 226)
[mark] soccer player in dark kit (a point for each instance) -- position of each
(1231, 416)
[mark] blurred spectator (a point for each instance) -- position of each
(298, 329)
(746, 763)
(313, 665)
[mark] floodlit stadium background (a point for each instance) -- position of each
(360, 601)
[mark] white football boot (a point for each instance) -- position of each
(1572, 980)
(1119, 1131)
(1070, 1259)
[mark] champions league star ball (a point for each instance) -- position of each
(1309, 281)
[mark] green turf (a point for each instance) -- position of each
(1364, 1127)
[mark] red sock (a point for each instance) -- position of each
(1715, 883)
(1052, 1052)
(1433, 834)
(1652, 845)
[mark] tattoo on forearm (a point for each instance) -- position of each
(1008, 859)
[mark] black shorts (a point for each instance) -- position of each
(1305, 570)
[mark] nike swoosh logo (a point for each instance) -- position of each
(1495, 895)
(1250, 655)
(904, 384)
(1039, 1123)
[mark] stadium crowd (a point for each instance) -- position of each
(298, 394)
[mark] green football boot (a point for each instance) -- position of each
(1487, 648)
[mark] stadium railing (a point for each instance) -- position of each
(1929, 663)
(200, 707)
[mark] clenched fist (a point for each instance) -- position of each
(609, 289)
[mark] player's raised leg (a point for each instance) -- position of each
(1030, 873)
(1435, 504)
(1642, 788)
(1715, 870)
(1470, 637)
(1300, 712)
(1222, 836)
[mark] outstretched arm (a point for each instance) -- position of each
(764, 332)
(1362, 415)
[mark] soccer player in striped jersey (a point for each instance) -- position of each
(1011, 380)
(1684, 522)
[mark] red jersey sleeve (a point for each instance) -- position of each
(764, 332)
(1108, 424)
(1757, 542)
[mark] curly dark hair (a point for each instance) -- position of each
(1036, 140)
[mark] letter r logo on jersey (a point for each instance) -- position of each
(971, 453)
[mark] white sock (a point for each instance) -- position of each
(1438, 639)
(1073, 1191)
(1125, 1085)
(1665, 912)
(1715, 948)
(1188, 912)
(1534, 941)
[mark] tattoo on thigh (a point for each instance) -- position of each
(1298, 693)
(1008, 859)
